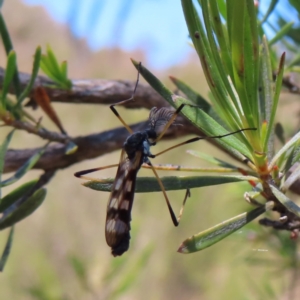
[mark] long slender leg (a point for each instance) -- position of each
(81, 174)
(113, 109)
(201, 138)
(175, 219)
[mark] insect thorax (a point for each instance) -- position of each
(140, 141)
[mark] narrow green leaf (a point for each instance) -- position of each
(55, 69)
(35, 69)
(213, 160)
(196, 99)
(7, 249)
(222, 8)
(23, 169)
(215, 234)
(219, 8)
(218, 83)
(8, 47)
(293, 141)
(3, 149)
(268, 145)
(285, 162)
(16, 194)
(294, 176)
(267, 99)
(64, 69)
(47, 67)
(235, 19)
(204, 122)
(171, 183)
(16, 213)
(8, 77)
(222, 70)
(281, 33)
(44, 65)
(154, 82)
(271, 8)
(64, 73)
(296, 155)
(192, 95)
(284, 200)
(251, 64)
(267, 79)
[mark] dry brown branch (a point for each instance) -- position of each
(89, 146)
(95, 91)
(41, 132)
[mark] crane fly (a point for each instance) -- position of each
(135, 153)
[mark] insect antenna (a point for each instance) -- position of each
(195, 139)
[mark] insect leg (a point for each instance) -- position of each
(113, 109)
(81, 174)
(175, 219)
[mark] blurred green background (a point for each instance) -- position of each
(60, 251)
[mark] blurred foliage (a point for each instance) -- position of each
(58, 73)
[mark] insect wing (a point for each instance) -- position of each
(120, 203)
(158, 118)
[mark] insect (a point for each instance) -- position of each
(135, 153)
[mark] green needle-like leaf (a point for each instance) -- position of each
(282, 152)
(288, 203)
(23, 170)
(35, 69)
(292, 178)
(281, 33)
(271, 8)
(273, 108)
(3, 149)
(171, 183)
(16, 213)
(16, 194)
(196, 98)
(9, 47)
(215, 234)
(204, 122)
(213, 160)
(154, 82)
(7, 249)
(53, 64)
(9, 74)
